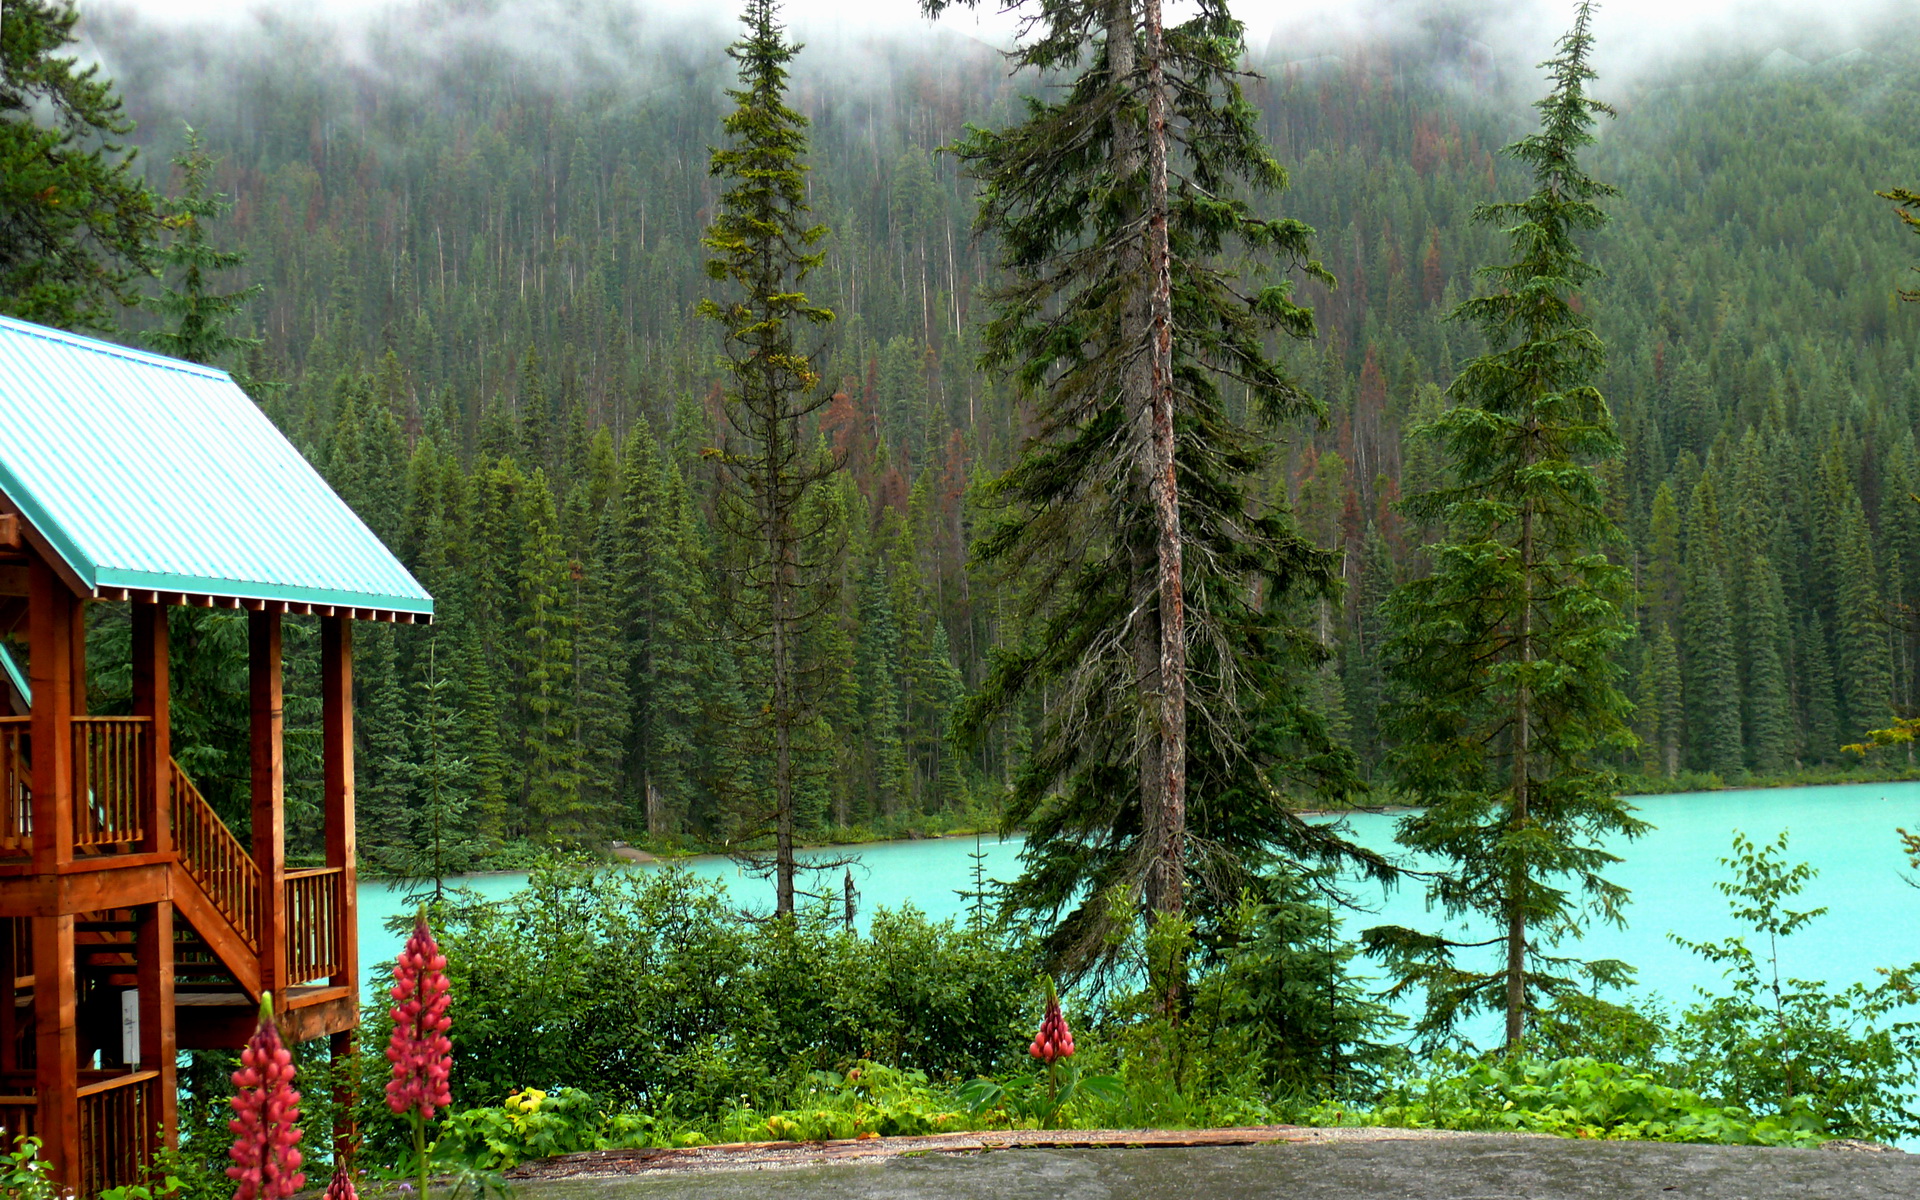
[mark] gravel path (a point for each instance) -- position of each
(1260, 1163)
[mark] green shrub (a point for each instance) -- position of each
(1574, 1097)
(647, 991)
(534, 1124)
(23, 1173)
(1790, 1046)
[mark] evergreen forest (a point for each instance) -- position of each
(475, 270)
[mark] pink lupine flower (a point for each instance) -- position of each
(1054, 1041)
(340, 1187)
(266, 1133)
(421, 1052)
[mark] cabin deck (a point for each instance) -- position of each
(153, 926)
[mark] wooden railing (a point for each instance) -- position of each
(119, 1124)
(214, 857)
(16, 787)
(316, 914)
(110, 784)
(19, 1117)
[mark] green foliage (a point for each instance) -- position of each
(1505, 658)
(644, 987)
(1844, 1061)
(197, 317)
(79, 221)
(1574, 1097)
(1072, 528)
(23, 1176)
(866, 1099)
(1042, 1097)
(1908, 205)
(1278, 1002)
(531, 1123)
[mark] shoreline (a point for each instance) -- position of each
(635, 856)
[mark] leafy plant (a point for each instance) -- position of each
(1574, 1097)
(867, 1099)
(23, 1173)
(535, 1124)
(1039, 1098)
(1791, 1045)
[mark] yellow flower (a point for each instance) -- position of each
(525, 1101)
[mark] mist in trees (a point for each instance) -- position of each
(480, 304)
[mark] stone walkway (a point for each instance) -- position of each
(1273, 1163)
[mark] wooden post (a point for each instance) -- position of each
(9, 997)
(336, 748)
(152, 699)
(159, 1043)
(269, 813)
(51, 615)
(57, 1073)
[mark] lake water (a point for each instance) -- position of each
(1847, 832)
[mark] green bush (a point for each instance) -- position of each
(1573, 1097)
(23, 1173)
(1790, 1046)
(646, 989)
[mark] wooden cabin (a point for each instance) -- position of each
(133, 922)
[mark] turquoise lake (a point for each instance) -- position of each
(1846, 832)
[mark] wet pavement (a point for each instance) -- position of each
(1458, 1167)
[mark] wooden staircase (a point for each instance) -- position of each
(215, 965)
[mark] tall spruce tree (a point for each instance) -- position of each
(77, 222)
(1769, 721)
(763, 248)
(1158, 602)
(197, 317)
(1504, 658)
(1865, 659)
(1709, 668)
(1660, 710)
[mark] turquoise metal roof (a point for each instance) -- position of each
(152, 474)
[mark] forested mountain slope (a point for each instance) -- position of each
(480, 268)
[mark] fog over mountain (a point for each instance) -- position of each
(565, 43)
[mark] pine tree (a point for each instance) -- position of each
(763, 248)
(601, 672)
(878, 655)
(440, 842)
(385, 788)
(550, 783)
(1822, 737)
(1662, 590)
(1503, 659)
(1864, 659)
(1709, 667)
(1364, 674)
(79, 221)
(1769, 720)
(1659, 707)
(197, 317)
(1127, 520)
(667, 622)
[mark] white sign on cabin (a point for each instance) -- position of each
(130, 1026)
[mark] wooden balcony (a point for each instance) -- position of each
(112, 781)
